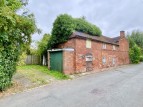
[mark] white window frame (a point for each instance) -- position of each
(114, 47)
(88, 43)
(104, 46)
(113, 61)
(103, 60)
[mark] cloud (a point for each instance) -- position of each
(110, 15)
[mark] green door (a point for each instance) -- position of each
(56, 61)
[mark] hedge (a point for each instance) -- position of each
(65, 25)
(15, 36)
(135, 53)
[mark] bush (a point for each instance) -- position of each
(22, 59)
(141, 58)
(65, 25)
(135, 53)
(4, 81)
(15, 35)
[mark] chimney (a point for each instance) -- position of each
(122, 34)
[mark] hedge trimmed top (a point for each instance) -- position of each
(65, 25)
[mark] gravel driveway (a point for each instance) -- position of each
(120, 87)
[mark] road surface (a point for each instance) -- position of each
(121, 87)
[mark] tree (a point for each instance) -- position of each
(137, 37)
(135, 53)
(42, 48)
(15, 36)
(65, 25)
(136, 44)
(42, 45)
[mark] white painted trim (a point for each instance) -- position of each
(64, 49)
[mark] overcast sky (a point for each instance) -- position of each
(111, 16)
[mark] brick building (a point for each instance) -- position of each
(83, 52)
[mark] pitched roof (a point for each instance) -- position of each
(103, 39)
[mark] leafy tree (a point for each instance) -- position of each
(136, 42)
(42, 45)
(65, 25)
(83, 26)
(62, 29)
(135, 53)
(42, 48)
(131, 42)
(137, 37)
(15, 35)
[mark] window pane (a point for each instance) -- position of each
(104, 60)
(88, 43)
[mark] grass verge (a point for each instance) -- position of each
(44, 69)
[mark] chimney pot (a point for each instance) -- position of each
(122, 34)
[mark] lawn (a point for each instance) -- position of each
(31, 76)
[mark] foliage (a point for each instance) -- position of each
(141, 58)
(22, 58)
(136, 40)
(15, 35)
(83, 26)
(32, 51)
(135, 53)
(42, 45)
(131, 42)
(137, 37)
(65, 25)
(4, 81)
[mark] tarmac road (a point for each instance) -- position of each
(120, 87)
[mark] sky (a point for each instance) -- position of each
(111, 16)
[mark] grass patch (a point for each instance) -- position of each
(30, 76)
(44, 69)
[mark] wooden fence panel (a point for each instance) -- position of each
(33, 60)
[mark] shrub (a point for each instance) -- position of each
(22, 59)
(135, 53)
(4, 81)
(15, 35)
(141, 58)
(65, 25)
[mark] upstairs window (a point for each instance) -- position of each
(114, 47)
(104, 46)
(88, 43)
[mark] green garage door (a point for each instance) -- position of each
(56, 61)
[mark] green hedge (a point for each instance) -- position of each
(141, 58)
(65, 25)
(15, 36)
(135, 53)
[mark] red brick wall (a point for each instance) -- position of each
(68, 62)
(123, 51)
(69, 44)
(75, 62)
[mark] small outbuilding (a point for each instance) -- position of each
(61, 60)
